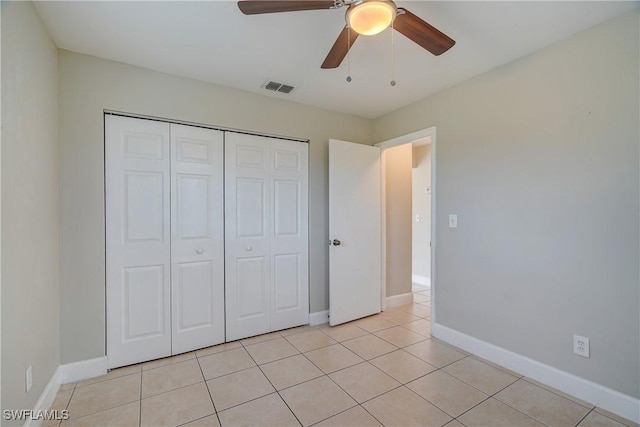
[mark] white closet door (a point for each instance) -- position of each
(289, 245)
(137, 240)
(267, 257)
(197, 238)
(248, 231)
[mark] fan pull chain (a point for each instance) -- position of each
(393, 81)
(348, 56)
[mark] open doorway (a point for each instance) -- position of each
(408, 169)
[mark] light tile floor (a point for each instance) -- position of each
(382, 370)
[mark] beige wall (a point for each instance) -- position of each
(397, 164)
(30, 292)
(87, 86)
(539, 159)
(421, 232)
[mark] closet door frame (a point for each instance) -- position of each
(162, 346)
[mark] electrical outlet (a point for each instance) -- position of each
(581, 346)
(28, 379)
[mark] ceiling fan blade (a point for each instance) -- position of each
(339, 49)
(254, 7)
(424, 34)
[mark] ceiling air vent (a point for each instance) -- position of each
(278, 87)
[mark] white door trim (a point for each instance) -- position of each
(415, 138)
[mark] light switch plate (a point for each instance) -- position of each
(453, 221)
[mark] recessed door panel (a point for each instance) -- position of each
(286, 160)
(286, 207)
(144, 205)
(251, 287)
(143, 145)
(143, 314)
(193, 199)
(251, 156)
(194, 295)
(250, 210)
(286, 275)
(193, 150)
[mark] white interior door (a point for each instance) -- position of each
(355, 231)
(137, 240)
(266, 212)
(197, 238)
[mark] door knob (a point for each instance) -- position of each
(249, 248)
(199, 251)
(336, 242)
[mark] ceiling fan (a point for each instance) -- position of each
(364, 17)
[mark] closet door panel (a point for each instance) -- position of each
(137, 240)
(247, 210)
(289, 241)
(197, 238)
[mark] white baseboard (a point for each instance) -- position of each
(46, 398)
(421, 280)
(319, 318)
(620, 404)
(398, 300)
(84, 369)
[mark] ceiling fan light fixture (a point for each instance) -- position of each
(371, 17)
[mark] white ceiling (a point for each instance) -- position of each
(214, 42)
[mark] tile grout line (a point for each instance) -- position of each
(140, 401)
(215, 410)
(274, 388)
(583, 418)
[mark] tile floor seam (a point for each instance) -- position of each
(583, 418)
(288, 407)
(348, 409)
(469, 384)
(531, 416)
(516, 409)
(474, 406)
(140, 400)
(430, 402)
(340, 387)
(509, 406)
(172, 390)
(311, 361)
(276, 390)
(346, 348)
(215, 410)
(441, 409)
(193, 421)
(108, 379)
(550, 390)
(374, 417)
(495, 365)
(104, 410)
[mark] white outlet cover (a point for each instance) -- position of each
(581, 346)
